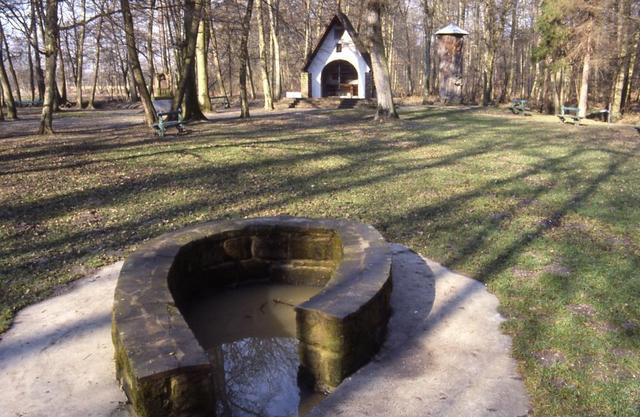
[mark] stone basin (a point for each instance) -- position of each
(160, 363)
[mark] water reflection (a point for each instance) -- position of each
(260, 379)
(249, 333)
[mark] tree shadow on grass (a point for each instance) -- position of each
(280, 144)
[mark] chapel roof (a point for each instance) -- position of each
(339, 19)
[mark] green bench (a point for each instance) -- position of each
(570, 114)
(519, 106)
(167, 118)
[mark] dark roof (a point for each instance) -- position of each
(342, 20)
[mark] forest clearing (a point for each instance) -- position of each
(499, 138)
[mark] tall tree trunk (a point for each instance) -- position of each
(63, 76)
(511, 61)
(6, 89)
(164, 45)
(252, 85)
(12, 70)
(427, 22)
(244, 59)
(404, 10)
(1, 106)
(556, 86)
(186, 94)
(80, 55)
(623, 60)
(491, 45)
(132, 52)
(388, 45)
(152, 66)
(264, 70)
(461, 12)
(216, 58)
(133, 91)
(32, 87)
(584, 84)
(307, 29)
(72, 62)
(201, 62)
(229, 49)
(635, 71)
(124, 69)
(36, 52)
(386, 108)
(51, 50)
(487, 77)
(96, 70)
(275, 42)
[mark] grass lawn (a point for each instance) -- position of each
(547, 215)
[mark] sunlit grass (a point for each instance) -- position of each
(546, 215)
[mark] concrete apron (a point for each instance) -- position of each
(444, 354)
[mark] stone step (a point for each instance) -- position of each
(324, 103)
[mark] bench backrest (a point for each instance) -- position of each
(569, 110)
(162, 105)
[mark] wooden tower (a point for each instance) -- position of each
(450, 52)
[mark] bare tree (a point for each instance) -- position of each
(216, 57)
(96, 69)
(36, 49)
(12, 69)
(51, 51)
(264, 68)
(373, 38)
(134, 62)
(427, 23)
(586, 68)
(244, 57)
(201, 62)
(186, 93)
(275, 44)
(80, 54)
(6, 87)
(150, 60)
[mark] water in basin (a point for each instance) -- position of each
(250, 333)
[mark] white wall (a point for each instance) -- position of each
(327, 53)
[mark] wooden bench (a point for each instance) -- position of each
(602, 115)
(223, 99)
(570, 114)
(519, 106)
(167, 118)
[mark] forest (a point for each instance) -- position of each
(75, 53)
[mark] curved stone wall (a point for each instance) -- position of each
(161, 365)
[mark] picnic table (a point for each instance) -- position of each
(166, 117)
(519, 106)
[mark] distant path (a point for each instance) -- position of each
(444, 356)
